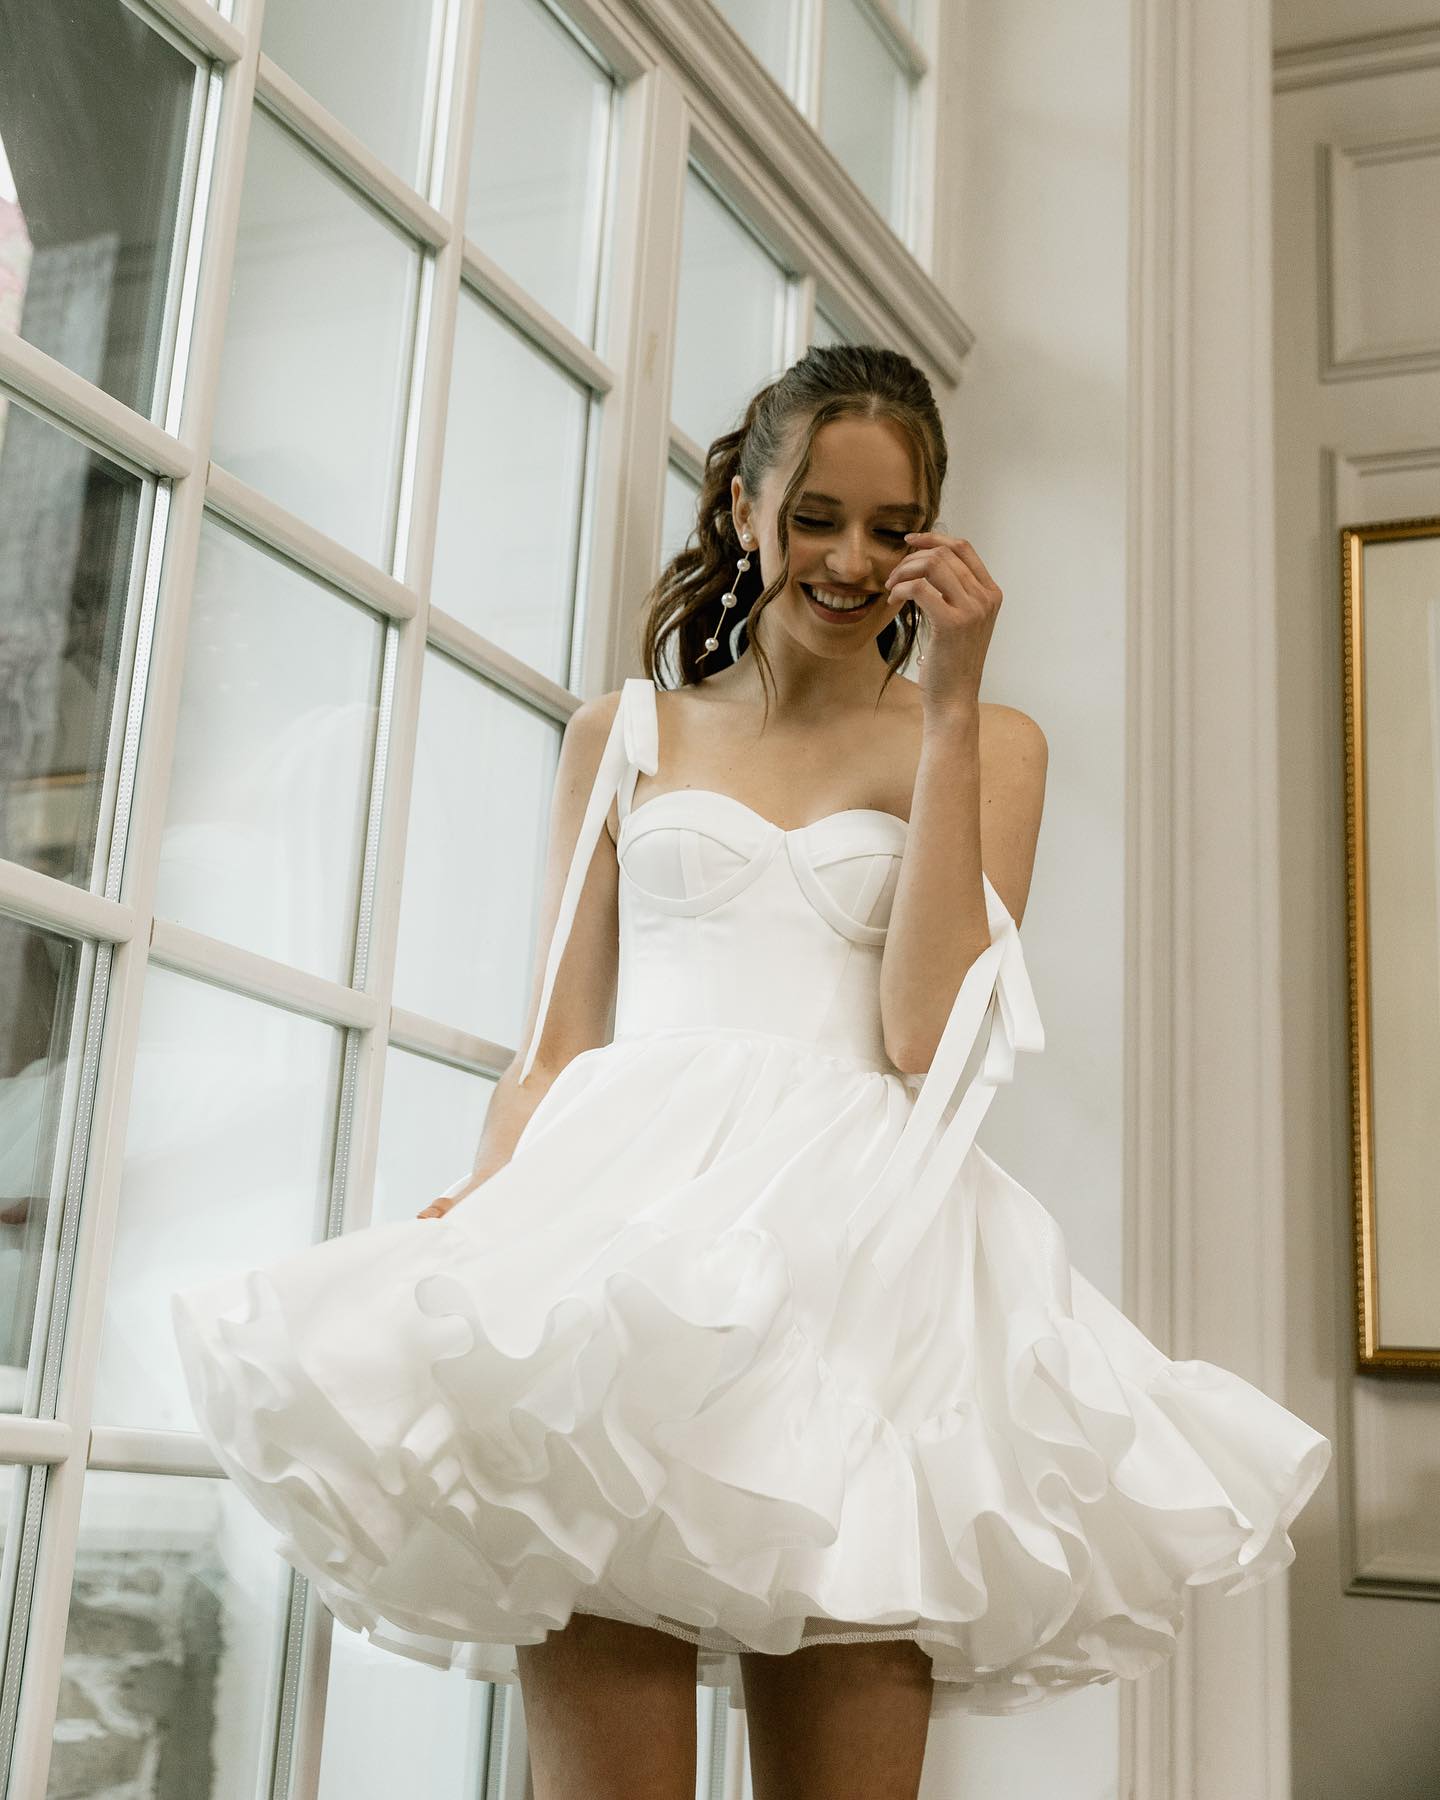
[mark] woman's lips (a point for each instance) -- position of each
(830, 615)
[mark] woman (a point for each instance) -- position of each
(735, 1349)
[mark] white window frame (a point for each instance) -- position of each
(689, 88)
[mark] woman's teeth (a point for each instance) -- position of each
(834, 605)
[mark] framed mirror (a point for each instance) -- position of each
(1390, 578)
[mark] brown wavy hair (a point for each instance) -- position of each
(828, 382)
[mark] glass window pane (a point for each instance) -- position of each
(677, 522)
(826, 331)
(475, 860)
(16, 1483)
(95, 108)
(172, 1648)
(730, 320)
(511, 485)
(394, 1726)
(865, 107)
(682, 499)
(228, 1162)
(767, 28)
(68, 523)
(315, 377)
(372, 64)
(269, 794)
(538, 161)
(38, 1025)
(430, 1125)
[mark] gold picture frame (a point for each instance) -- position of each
(1390, 587)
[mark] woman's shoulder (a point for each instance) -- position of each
(589, 725)
(1014, 730)
(587, 731)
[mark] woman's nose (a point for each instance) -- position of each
(850, 565)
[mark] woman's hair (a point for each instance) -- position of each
(828, 382)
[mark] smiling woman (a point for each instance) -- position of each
(737, 1353)
(859, 470)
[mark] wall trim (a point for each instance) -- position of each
(1356, 58)
(1205, 1245)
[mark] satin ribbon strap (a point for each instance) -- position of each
(634, 738)
(903, 1199)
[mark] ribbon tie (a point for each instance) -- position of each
(634, 738)
(900, 1203)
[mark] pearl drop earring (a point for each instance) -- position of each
(727, 601)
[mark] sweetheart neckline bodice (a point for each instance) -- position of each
(843, 812)
(632, 749)
(781, 832)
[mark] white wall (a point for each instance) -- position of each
(1031, 246)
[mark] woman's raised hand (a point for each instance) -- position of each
(456, 1192)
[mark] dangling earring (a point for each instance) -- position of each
(726, 602)
(921, 657)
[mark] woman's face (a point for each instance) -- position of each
(846, 534)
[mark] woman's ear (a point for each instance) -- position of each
(739, 507)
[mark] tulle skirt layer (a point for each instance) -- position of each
(636, 1373)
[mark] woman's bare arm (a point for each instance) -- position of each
(578, 1016)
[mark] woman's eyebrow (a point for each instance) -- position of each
(908, 507)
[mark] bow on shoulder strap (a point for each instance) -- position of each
(634, 738)
(900, 1203)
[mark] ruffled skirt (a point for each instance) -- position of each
(635, 1373)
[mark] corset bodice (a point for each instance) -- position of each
(729, 920)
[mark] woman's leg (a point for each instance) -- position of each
(610, 1712)
(838, 1721)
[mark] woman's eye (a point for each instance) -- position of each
(823, 525)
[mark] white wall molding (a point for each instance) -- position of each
(1205, 1243)
(1357, 58)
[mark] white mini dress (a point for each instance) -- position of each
(749, 1341)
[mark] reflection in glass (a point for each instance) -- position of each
(394, 1726)
(475, 859)
(315, 377)
(430, 1125)
(373, 69)
(94, 111)
(730, 319)
(538, 160)
(172, 1649)
(68, 520)
(228, 1161)
(865, 107)
(269, 793)
(37, 1029)
(511, 484)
